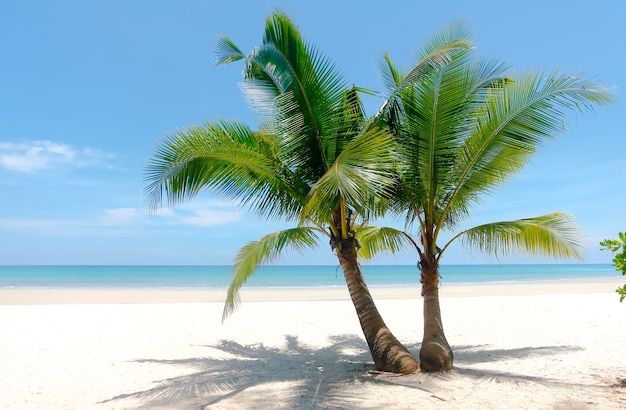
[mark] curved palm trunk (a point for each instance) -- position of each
(388, 353)
(435, 353)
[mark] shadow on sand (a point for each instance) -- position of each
(322, 377)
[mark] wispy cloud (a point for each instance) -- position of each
(201, 214)
(196, 214)
(210, 218)
(32, 156)
(121, 215)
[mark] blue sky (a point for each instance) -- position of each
(88, 87)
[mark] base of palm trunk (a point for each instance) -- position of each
(436, 357)
(435, 353)
(406, 365)
(390, 355)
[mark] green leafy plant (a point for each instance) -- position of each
(618, 247)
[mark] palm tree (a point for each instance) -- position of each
(465, 126)
(315, 161)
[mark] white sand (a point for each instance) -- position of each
(558, 345)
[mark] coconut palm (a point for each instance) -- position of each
(465, 127)
(314, 161)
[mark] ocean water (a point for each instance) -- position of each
(281, 276)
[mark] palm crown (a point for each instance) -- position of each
(315, 160)
(465, 127)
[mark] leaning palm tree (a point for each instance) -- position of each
(315, 161)
(464, 128)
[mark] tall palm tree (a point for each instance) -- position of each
(465, 126)
(315, 161)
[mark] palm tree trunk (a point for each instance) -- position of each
(435, 353)
(388, 353)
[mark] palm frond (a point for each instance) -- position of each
(348, 121)
(363, 169)
(391, 75)
(431, 120)
(229, 159)
(264, 251)
(374, 240)
(553, 235)
(530, 108)
(517, 119)
(442, 48)
(291, 78)
(434, 119)
(227, 51)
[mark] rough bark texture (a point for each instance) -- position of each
(388, 353)
(435, 353)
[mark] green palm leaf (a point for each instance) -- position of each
(516, 120)
(553, 235)
(347, 122)
(437, 52)
(289, 78)
(374, 240)
(363, 169)
(433, 118)
(227, 51)
(263, 251)
(229, 159)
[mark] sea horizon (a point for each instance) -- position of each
(284, 276)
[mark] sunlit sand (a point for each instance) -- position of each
(545, 345)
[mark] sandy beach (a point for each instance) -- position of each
(553, 345)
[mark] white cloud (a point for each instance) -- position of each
(210, 217)
(34, 156)
(163, 212)
(201, 213)
(121, 215)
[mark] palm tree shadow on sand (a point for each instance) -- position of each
(314, 377)
(312, 374)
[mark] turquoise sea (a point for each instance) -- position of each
(281, 276)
